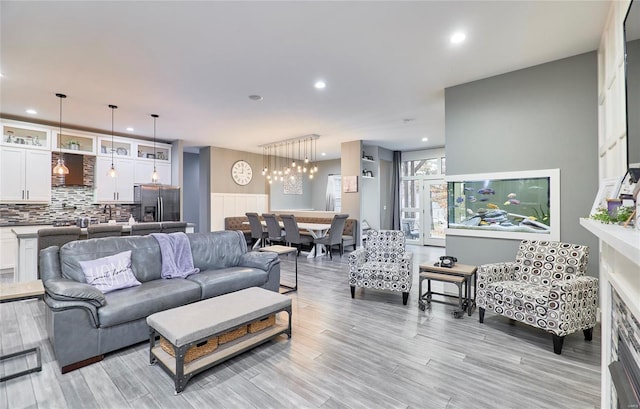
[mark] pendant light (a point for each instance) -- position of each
(155, 178)
(112, 171)
(60, 169)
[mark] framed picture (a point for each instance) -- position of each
(608, 190)
(628, 188)
(350, 184)
(292, 185)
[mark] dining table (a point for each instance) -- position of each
(316, 230)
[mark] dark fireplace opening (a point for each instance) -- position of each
(625, 374)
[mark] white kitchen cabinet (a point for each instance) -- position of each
(8, 248)
(118, 189)
(144, 170)
(25, 175)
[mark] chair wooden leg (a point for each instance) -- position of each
(405, 298)
(353, 292)
(588, 334)
(481, 314)
(557, 343)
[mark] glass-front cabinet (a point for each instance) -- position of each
(74, 142)
(122, 148)
(26, 136)
(160, 152)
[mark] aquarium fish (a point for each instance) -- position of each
(471, 198)
(492, 206)
(468, 189)
(484, 199)
(514, 201)
(470, 211)
(487, 191)
(535, 187)
(532, 218)
(459, 199)
(512, 195)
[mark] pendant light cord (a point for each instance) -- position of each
(113, 108)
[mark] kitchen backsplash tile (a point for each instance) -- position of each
(67, 203)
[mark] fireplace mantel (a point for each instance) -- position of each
(619, 271)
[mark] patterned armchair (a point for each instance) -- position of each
(382, 263)
(545, 287)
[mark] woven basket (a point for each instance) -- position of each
(262, 324)
(231, 335)
(197, 351)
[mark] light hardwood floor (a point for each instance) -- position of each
(369, 352)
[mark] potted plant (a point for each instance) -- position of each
(74, 145)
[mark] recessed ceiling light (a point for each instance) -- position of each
(425, 139)
(407, 120)
(323, 154)
(320, 84)
(458, 37)
(255, 97)
(31, 111)
(130, 129)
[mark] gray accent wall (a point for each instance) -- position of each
(204, 183)
(319, 185)
(191, 190)
(541, 117)
(633, 101)
(281, 201)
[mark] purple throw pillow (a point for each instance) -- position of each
(110, 273)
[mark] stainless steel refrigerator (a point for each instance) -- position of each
(156, 203)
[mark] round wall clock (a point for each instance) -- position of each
(241, 172)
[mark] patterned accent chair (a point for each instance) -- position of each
(545, 287)
(382, 263)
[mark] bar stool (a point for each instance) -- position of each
(55, 236)
(142, 229)
(104, 230)
(173, 227)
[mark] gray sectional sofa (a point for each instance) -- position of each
(83, 323)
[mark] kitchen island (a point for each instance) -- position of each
(26, 263)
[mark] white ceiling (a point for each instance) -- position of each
(196, 63)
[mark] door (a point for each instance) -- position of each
(410, 210)
(38, 176)
(170, 201)
(434, 210)
(12, 174)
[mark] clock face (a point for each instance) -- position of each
(241, 172)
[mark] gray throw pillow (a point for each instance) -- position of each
(110, 273)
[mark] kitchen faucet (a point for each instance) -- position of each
(104, 211)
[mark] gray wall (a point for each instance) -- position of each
(280, 201)
(541, 117)
(204, 184)
(221, 181)
(191, 190)
(633, 100)
(319, 185)
(351, 152)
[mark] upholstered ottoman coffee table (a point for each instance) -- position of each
(200, 323)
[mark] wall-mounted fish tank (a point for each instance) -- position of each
(507, 205)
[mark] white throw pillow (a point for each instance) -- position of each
(110, 273)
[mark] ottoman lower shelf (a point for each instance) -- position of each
(224, 352)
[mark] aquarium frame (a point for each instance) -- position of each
(554, 204)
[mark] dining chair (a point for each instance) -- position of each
(142, 229)
(95, 231)
(274, 231)
(334, 236)
(258, 234)
(173, 227)
(292, 232)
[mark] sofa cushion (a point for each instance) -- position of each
(219, 249)
(110, 273)
(146, 262)
(134, 303)
(522, 296)
(226, 280)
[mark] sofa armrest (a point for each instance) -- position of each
(491, 273)
(357, 259)
(574, 294)
(258, 259)
(60, 305)
(63, 289)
